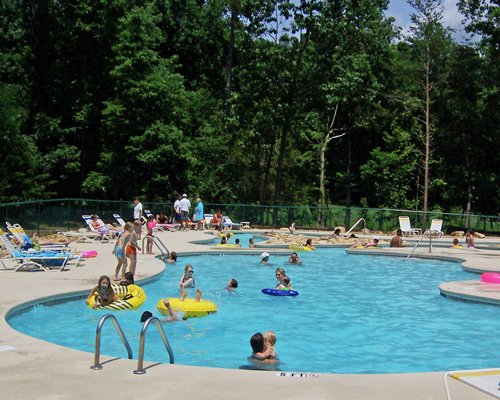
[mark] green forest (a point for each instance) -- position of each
(250, 101)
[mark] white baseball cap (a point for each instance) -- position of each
(376, 238)
(264, 255)
(184, 195)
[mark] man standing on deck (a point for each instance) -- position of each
(177, 210)
(138, 213)
(184, 205)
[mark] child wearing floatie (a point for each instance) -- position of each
(309, 244)
(456, 245)
(103, 293)
(285, 284)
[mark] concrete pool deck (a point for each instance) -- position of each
(35, 369)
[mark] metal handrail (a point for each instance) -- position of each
(418, 242)
(161, 246)
(140, 370)
(354, 226)
(97, 352)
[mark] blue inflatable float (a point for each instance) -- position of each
(276, 292)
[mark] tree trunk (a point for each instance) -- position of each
(291, 92)
(468, 179)
(229, 61)
(427, 142)
(322, 191)
(348, 199)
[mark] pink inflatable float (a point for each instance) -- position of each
(491, 277)
(89, 254)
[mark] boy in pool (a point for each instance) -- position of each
(294, 258)
(231, 285)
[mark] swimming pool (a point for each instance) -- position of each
(243, 237)
(354, 314)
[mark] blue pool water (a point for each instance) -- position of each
(244, 239)
(354, 314)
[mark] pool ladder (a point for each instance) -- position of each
(140, 362)
(418, 242)
(354, 226)
(165, 253)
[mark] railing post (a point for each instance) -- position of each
(140, 362)
(97, 352)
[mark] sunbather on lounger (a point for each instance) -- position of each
(104, 229)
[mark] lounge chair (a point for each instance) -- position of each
(245, 224)
(41, 260)
(119, 220)
(25, 242)
(405, 226)
(105, 236)
(436, 226)
(227, 223)
(81, 236)
(163, 227)
(485, 380)
(208, 220)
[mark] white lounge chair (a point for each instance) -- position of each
(163, 227)
(103, 235)
(208, 220)
(485, 380)
(227, 223)
(436, 226)
(405, 226)
(41, 260)
(119, 220)
(25, 242)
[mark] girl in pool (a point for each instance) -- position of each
(336, 233)
(251, 243)
(172, 258)
(119, 250)
(103, 293)
(309, 244)
(187, 279)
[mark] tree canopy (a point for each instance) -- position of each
(237, 101)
